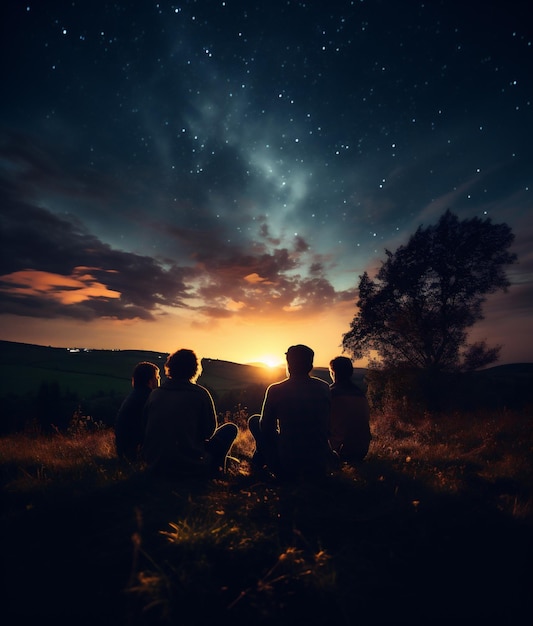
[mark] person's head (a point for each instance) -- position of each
(340, 368)
(145, 374)
(183, 364)
(299, 359)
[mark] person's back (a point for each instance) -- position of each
(299, 408)
(182, 438)
(180, 418)
(130, 424)
(350, 414)
(292, 431)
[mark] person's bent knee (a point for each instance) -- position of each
(227, 432)
(253, 424)
(233, 431)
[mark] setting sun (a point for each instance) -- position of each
(270, 361)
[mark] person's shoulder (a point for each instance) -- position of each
(172, 384)
(279, 384)
(154, 393)
(318, 386)
(201, 389)
(346, 389)
(277, 390)
(134, 397)
(141, 392)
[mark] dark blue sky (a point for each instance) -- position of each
(217, 167)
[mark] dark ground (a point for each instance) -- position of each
(400, 553)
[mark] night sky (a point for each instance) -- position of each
(217, 175)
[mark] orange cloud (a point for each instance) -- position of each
(254, 278)
(81, 285)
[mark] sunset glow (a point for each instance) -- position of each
(271, 361)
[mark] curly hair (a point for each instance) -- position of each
(182, 364)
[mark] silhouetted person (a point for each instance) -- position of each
(182, 438)
(350, 414)
(130, 424)
(291, 434)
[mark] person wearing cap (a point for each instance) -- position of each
(291, 434)
(350, 414)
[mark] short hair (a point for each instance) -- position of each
(143, 373)
(182, 364)
(342, 366)
(300, 359)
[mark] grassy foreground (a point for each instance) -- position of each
(435, 528)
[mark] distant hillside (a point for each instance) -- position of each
(51, 383)
(224, 376)
(24, 367)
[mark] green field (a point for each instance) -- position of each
(24, 367)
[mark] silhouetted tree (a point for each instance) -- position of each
(416, 312)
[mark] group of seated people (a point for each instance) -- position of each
(305, 427)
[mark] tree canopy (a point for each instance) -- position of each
(427, 294)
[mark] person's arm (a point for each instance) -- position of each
(209, 417)
(267, 421)
(151, 447)
(268, 425)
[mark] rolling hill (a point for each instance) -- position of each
(91, 374)
(23, 367)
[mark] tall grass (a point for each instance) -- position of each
(82, 456)
(443, 451)
(447, 451)
(202, 551)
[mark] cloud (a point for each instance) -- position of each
(81, 285)
(52, 266)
